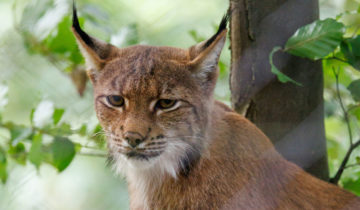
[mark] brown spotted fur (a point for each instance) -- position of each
(233, 164)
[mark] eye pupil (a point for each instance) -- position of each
(115, 100)
(166, 103)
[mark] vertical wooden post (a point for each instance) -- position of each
(291, 116)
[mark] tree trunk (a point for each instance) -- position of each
(291, 116)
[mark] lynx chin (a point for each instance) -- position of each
(178, 147)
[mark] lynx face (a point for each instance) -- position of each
(153, 102)
(151, 107)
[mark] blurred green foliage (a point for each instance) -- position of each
(45, 121)
(48, 137)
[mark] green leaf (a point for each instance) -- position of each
(333, 149)
(345, 77)
(354, 89)
(357, 159)
(35, 154)
(355, 111)
(18, 132)
(78, 147)
(32, 116)
(339, 16)
(353, 186)
(62, 41)
(223, 69)
(132, 37)
(18, 153)
(355, 45)
(351, 50)
(58, 113)
(97, 129)
(281, 77)
(83, 130)
(196, 37)
(61, 130)
(3, 165)
(316, 40)
(98, 136)
(63, 151)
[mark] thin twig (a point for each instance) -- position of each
(343, 166)
(93, 154)
(355, 32)
(353, 107)
(345, 113)
(352, 165)
(42, 131)
(91, 147)
(336, 58)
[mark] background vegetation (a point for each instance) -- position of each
(51, 147)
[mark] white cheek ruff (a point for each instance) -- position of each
(169, 162)
(141, 174)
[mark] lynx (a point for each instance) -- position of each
(181, 149)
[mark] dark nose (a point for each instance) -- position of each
(133, 138)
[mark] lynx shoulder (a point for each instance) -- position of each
(181, 149)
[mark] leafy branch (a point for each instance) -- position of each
(353, 146)
(27, 143)
(327, 40)
(345, 112)
(57, 45)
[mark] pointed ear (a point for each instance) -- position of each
(205, 55)
(95, 51)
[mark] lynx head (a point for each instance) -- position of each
(153, 102)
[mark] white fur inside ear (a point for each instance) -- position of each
(94, 55)
(90, 62)
(209, 62)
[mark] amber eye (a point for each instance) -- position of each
(166, 103)
(116, 101)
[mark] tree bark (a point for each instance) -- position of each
(291, 116)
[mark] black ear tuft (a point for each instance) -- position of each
(222, 27)
(84, 36)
